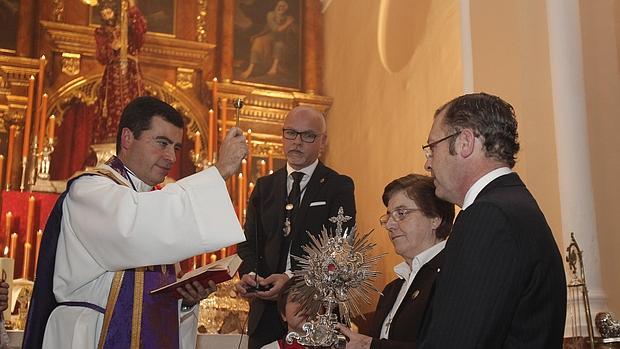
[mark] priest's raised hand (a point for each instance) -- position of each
(234, 148)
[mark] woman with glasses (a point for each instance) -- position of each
(418, 224)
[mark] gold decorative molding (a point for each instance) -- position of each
(15, 73)
(201, 21)
(185, 78)
(264, 111)
(71, 63)
(269, 106)
(59, 9)
(157, 49)
(17, 70)
(84, 89)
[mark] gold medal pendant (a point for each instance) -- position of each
(287, 226)
(288, 207)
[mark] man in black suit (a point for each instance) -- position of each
(283, 208)
(502, 283)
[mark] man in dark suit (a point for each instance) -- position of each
(502, 283)
(283, 208)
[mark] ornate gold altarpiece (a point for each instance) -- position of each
(178, 68)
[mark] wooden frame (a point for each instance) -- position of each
(9, 20)
(160, 16)
(268, 43)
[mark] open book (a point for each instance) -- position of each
(218, 271)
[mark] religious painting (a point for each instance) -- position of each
(9, 14)
(159, 14)
(268, 42)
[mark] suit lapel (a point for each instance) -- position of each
(279, 192)
(310, 192)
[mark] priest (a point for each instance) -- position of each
(111, 239)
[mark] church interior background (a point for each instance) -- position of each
(378, 69)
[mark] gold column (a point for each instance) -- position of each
(313, 48)
(25, 28)
(227, 44)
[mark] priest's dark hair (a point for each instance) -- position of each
(138, 114)
(421, 189)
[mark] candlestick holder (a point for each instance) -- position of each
(45, 157)
(199, 159)
(22, 184)
(32, 170)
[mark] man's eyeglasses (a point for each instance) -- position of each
(428, 149)
(306, 136)
(397, 215)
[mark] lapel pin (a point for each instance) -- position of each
(438, 270)
(288, 207)
(415, 294)
(322, 180)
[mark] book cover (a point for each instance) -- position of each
(218, 271)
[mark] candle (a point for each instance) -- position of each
(204, 259)
(28, 122)
(13, 248)
(249, 149)
(30, 218)
(214, 93)
(42, 123)
(244, 168)
(250, 188)
(240, 197)
(26, 265)
(9, 160)
(8, 222)
(270, 161)
(197, 144)
(37, 247)
(212, 135)
(262, 168)
(51, 131)
(213, 257)
(194, 262)
(42, 64)
(243, 187)
(223, 252)
(6, 271)
(1, 169)
(224, 117)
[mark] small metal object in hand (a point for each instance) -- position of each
(238, 103)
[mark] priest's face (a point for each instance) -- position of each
(151, 155)
(303, 136)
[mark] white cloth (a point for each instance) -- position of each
(308, 171)
(407, 272)
(482, 182)
(108, 227)
(272, 345)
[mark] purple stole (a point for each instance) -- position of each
(134, 318)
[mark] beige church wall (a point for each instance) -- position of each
(511, 59)
(388, 65)
(601, 59)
